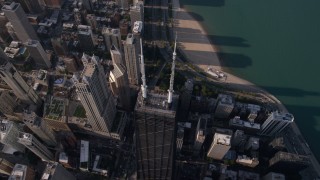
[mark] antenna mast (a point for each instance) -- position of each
(143, 73)
(170, 90)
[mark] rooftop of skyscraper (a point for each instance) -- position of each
(54, 109)
(10, 7)
(157, 103)
(223, 139)
(50, 170)
(19, 172)
(85, 30)
(282, 116)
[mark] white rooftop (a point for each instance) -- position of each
(223, 139)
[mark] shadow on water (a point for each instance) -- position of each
(228, 41)
(234, 60)
(212, 3)
(294, 92)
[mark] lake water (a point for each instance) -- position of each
(274, 44)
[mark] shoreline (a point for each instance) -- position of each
(188, 21)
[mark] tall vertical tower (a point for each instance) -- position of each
(136, 12)
(155, 124)
(9, 132)
(29, 141)
(225, 105)
(31, 6)
(95, 96)
(200, 134)
(19, 21)
(275, 123)
(38, 54)
(220, 145)
(21, 89)
(119, 78)
(112, 37)
(131, 55)
(39, 127)
(85, 38)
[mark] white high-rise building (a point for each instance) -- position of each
(220, 145)
(19, 21)
(112, 37)
(200, 134)
(95, 96)
(225, 105)
(39, 127)
(275, 123)
(131, 55)
(21, 89)
(38, 54)
(34, 145)
(9, 132)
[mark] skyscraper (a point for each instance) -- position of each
(31, 6)
(9, 132)
(288, 162)
(220, 145)
(136, 12)
(87, 4)
(39, 127)
(39, 56)
(21, 89)
(59, 46)
(95, 96)
(34, 145)
(118, 78)
(155, 116)
(225, 105)
(200, 134)
(19, 21)
(275, 123)
(123, 4)
(112, 37)
(7, 103)
(55, 171)
(85, 38)
(116, 55)
(131, 55)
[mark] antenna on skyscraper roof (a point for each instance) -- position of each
(143, 73)
(170, 90)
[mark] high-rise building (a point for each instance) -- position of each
(186, 96)
(9, 132)
(200, 134)
(112, 37)
(120, 85)
(116, 55)
(22, 172)
(34, 145)
(155, 116)
(31, 6)
(19, 21)
(220, 145)
(85, 38)
(39, 127)
(275, 123)
(131, 55)
(7, 103)
(252, 143)
(288, 162)
(247, 161)
(239, 139)
(21, 89)
(6, 167)
(224, 107)
(155, 124)
(55, 171)
(11, 31)
(136, 13)
(53, 3)
(38, 54)
(95, 96)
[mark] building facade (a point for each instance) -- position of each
(85, 38)
(275, 123)
(96, 96)
(220, 145)
(131, 56)
(112, 37)
(38, 54)
(19, 21)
